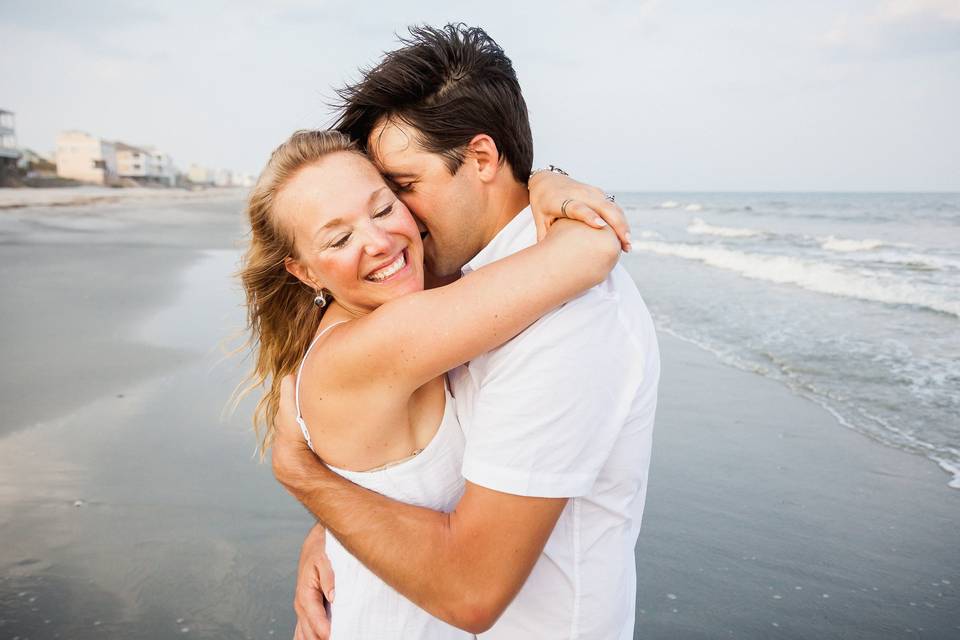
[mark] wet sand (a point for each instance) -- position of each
(130, 509)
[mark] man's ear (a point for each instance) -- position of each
(483, 151)
(293, 266)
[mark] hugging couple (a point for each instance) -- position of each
(462, 380)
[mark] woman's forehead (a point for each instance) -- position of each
(336, 186)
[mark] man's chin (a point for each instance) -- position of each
(431, 277)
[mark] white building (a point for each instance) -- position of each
(240, 179)
(161, 167)
(132, 162)
(145, 165)
(86, 158)
(8, 135)
(200, 175)
(9, 154)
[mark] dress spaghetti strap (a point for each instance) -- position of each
(303, 426)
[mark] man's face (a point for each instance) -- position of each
(447, 206)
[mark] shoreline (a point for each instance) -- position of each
(951, 471)
(26, 197)
(764, 519)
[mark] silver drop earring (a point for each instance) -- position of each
(321, 299)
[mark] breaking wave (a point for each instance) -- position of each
(699, 227)
(832, 243)
(813, 276)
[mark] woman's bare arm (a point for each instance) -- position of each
(411, 340)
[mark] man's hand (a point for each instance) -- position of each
(315, 588)
(548, 193)
(292, 459)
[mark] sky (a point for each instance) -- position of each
(646, 95)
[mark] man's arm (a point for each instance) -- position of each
(464, 567)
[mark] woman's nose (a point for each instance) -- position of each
(378, 241)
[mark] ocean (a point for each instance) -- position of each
(849, 299)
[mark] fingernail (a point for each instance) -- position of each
(629, 248)
(332, 593)
(600, 222)
(627, 237)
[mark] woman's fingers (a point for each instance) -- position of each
(326, 578)
(610, 212)
(541, 228)
(613, 215)
(598, 212)
(308, 604)
(304, 629)
(580, 210)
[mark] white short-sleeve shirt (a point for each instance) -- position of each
(566, 409)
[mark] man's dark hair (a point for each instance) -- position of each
(450, 84)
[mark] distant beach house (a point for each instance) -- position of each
(33, 164)
(9, 154)
(200, 175)
(86, 158)
(144, 164)
(81, 156)
(204, 176)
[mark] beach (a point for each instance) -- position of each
(131, 506)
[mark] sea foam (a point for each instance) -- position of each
(832, 243)
(813, 276)
(700, 227)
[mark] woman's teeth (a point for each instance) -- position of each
(386, 272)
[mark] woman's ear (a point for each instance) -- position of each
(293, 266)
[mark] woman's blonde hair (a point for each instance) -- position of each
(281, 314)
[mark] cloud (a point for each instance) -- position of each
(899, 27)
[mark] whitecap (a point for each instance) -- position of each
(813, 276)
(700, 227)
(669, 204)
(694, 207)
(832, 243)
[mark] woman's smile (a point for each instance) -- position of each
(391, 270)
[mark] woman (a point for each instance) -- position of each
(335, 290)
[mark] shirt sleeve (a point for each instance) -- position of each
(553, 401)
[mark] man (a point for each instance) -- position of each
(558, 421)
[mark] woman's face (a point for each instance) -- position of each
(352, 236)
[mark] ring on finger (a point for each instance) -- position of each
(563, 207)
(609, 197)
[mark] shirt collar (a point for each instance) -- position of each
(518, 234)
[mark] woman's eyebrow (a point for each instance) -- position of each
(336, 222)
(373, 196)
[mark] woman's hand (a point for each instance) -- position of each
(550, 191)
(315, 588)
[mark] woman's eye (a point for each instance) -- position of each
(342, 241)
(385, 211)
(405, 188)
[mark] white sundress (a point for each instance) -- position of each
(365, 607)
